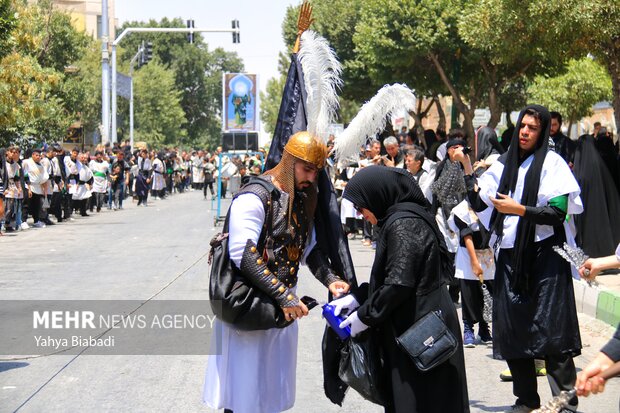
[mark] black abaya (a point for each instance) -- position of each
(598, 228)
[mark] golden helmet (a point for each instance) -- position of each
(306, 147)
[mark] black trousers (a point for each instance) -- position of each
(35, 207)
(560, 373)
(67, 204)
(55, 205)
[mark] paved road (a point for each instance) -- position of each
(135, 254)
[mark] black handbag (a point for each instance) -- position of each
(428, 341)
(233, 298)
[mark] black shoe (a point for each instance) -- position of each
(48, 222)
(85, 214)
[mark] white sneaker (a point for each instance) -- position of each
(38, 225)
(24, 225)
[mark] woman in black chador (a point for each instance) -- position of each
(405, 284)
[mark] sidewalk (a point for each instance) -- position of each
(600, 301)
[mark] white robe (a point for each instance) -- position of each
(556, 179)
(253, 371)
(84, 174)
(462, 260)
(71, 169)
(198, 175)
(100, 171)
(159, 182)
(37, 175)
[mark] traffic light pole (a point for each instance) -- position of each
(147, 30)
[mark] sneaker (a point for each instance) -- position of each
(485, 334)
(39, 224)
(505, 375)
(469, 339)
(24, 225)
(519, 408)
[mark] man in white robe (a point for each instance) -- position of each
(84, 184)
(100, 169)
(37, 185)
(254, 371)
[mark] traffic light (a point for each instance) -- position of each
(142, 59)
(190, 36)
(236, 35)
(148, 52)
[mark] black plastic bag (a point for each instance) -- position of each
(360, 368)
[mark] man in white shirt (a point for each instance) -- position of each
(37, 185)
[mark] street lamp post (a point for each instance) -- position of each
(147, 30)
(105, 74)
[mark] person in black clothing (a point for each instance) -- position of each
(405, 284)
(523, 199)
(119, 180)
(564, 146)
(597, 230)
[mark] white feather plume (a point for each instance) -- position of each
(371, 120)
(322, 72)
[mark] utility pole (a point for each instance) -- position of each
(128, 30)
(105, 75)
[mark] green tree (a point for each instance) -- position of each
(573, 93)
(7, 24)
(29, 111)
(271, 97)
(38, 99)
(81, 92)
(595, 27)
(158, 113)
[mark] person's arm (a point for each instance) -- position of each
(247, 215)
(473, 259)
(554, 213)
(318, 264)
(587, 382)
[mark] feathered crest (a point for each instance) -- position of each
(371, 120)
(322, 72)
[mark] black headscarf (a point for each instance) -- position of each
(524, 240)
(487, 144)
(380, 189)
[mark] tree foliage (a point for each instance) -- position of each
(575, 92)
(37, 100)
(158, 109)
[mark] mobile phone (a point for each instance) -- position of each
(309, 302)
(467, 150)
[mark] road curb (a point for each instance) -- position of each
(598, 302)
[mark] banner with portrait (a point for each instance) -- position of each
(240, 111)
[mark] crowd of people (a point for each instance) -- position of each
(499, 223)
(46, 185)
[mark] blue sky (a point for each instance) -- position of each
(260, 22)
